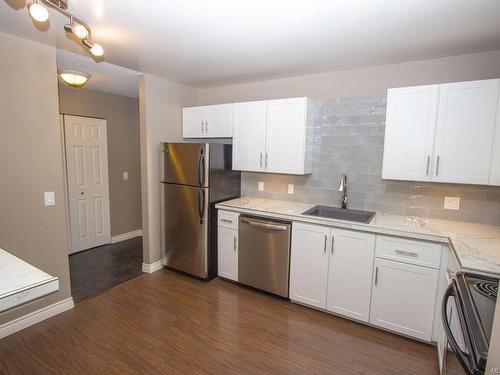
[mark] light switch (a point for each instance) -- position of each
(452, 203)
(125, 176)
(261, 186)
(291, 189)
(50, 199)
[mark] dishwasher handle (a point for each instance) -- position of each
(264, 225)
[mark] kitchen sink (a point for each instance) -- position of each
(358, 216)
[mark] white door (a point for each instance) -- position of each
(466, 125)
(88, 188)
(309, 264)
(220, 121)
(228, 253)
(350, 274)
(249, 136)
(193, 122)
(403, 298)
(285, 138)
(409, 133)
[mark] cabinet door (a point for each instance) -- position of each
(220, 121)
(403, 298)
(495, 157)
(350, 274)
(285, 137)
(309, 264)
(249, 136)
(193, 122)
(409, 132)
(228, 253)
(466, 123)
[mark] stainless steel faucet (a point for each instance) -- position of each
(343, 189)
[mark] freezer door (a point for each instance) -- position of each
(185, 163)
(185, 226)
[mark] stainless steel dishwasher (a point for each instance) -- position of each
(264, 254)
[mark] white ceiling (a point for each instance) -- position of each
(209, 43)
(104, 76)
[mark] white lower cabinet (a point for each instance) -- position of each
(403, 298)
(350, 274)
(309, 264)
(228, 253)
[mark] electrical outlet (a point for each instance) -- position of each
(125, 176)
(452, 203)
(261, 186)
(49, 198)
(291, 189)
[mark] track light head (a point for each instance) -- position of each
(38, 12)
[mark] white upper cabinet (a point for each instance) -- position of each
(309, 264)
(276, 142)
(193, 122)
(249, 136)
(495, 156)
(213, 121)
(409, 132)
(465, 128)
(286, 136)
(350, 273)
(443, 133)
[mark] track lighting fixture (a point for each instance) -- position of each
(38, 11)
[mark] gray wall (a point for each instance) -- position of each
(31, 163)
(122, 115)
(160, 103)
(349, 138)
(362, 82)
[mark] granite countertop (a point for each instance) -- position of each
(20, 282)
(476, 246)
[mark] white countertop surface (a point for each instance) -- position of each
(476, 246)
(20, 282)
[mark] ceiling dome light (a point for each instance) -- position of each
(38, 12)
(80, 31)
(74, 78)
(97, 50)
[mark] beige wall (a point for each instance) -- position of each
(366, 81)
(122, 115)
(160, 103)
(31, 163)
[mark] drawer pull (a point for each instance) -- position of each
(406, 253)
(226, 221)
(376, 275)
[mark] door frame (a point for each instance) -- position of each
(65, 176)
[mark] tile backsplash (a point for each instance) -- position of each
(349, 138)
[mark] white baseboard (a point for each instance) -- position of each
(153, 267)
(126, 236)
(25, 321)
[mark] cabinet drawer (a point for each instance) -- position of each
(409, 251)
(228, 219)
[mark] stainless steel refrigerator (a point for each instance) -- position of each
(195, 176)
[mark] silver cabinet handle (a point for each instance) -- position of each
(407, 253)
(437, 165)
(261, 159)
(266, 226)
(428, 164)
(206, 127)
(376, 275)
(324, 247)
(202, 131)
(226, 221)
(267, 157)
(333, 245)
(234, 244)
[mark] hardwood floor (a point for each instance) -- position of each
(172, 324)
(95, 270)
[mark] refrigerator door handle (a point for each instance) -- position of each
(201, 204)
(201, 170)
